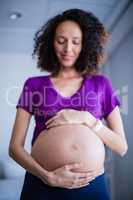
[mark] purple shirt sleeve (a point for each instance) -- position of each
(110, 100)
(26, 97)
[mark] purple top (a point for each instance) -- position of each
(41, 99)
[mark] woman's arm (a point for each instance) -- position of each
(61, 177)
(16, 146)
(113, 134)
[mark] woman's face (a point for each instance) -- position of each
(68, 43)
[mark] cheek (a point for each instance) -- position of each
(78, 50)
(57, 48)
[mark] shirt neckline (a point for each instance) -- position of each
(59, 94)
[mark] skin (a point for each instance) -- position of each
(68, 45)
(113, 135)
(61, 145)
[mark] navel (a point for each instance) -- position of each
(75, 146)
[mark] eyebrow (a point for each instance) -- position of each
(64, 37)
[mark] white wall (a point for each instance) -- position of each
(121, 71)
(15, 69)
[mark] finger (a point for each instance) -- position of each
(50, 120)
(55, 123)
(82, 176)
(80, 183)
(74, 166)
(52, 124)
(87, 182)
(82, 169)
(78, 186)
(75, 183)
(45, 181)
(89, 178)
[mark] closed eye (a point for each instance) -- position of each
(76, 43)
(61, 42)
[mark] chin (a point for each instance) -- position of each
(67, 64)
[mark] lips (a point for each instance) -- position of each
(66, 57)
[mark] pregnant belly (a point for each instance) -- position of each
(67, 144)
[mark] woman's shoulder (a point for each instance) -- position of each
(36, 78)
(35, 81)
(99, 78)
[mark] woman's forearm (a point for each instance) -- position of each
(22, 157)
(111, 139)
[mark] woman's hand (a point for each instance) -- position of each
(70, 116)
(69, 176)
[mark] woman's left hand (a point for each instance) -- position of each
(69, 116)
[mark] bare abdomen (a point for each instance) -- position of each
(67, 144)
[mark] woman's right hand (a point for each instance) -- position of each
(66, 177)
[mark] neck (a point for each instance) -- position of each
(68, 73)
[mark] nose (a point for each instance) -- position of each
(68, 47)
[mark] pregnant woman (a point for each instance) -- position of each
(67, 156)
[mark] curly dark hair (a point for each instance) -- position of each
(93, 42)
